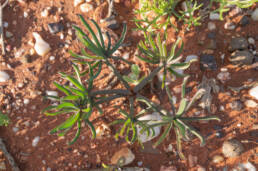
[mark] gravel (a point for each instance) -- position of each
(232, 148)
(4, 76)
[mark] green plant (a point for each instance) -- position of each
(4, 120)
(175, 118)
(81, 98)
(156, 53)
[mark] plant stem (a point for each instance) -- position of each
(119, 76)
(114, 91)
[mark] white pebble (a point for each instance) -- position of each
(251, 104)
(4, 76)
(15, 129)
(77, 2)
(20, 85)
(52, 93)
(35, 141)
(41, 46)
(251, 40)
(191, 57)
(6, 24)
(45, 13)
(126, 56)
(229, 26)
(86, 7)
(26, 101)
(254, 92)
(214, 16)
(25, 14)
(255, 15)
(51, 58)
(211, 26)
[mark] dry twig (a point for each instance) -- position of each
(1, 26)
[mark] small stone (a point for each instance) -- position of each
(77, 2)
(5, 24)
(168, 168)
(51, 58)
(236, 105)
(217, 159)
(45, 13)
(251, 104)
(238, 43)
(208, 62)
(86, 7)
(220, 134)
(214, 16)
(4, 76)
(126, 55)
(191, 57)
(211, 26)
(15, 129)
(113, 24)
(25, 14)
(26, 101)
(251, 40)
(52, 93)
(254, 15)
(232, 148)
(200, 168)
(35, 141)
(102, 130)
(244, 21)
(48, 169)
(241, 57)
(229, 26)
(252, 92)
(125, 154)
(211, 35)
(8, 34)
(2, 165)
(212, 44)
(55, 27)
(139, 163)
(20, 85)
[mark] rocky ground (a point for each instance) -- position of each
(38, 35)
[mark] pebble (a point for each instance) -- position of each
(4, 76)
(238, 43)
(51, 58)
(236, 105)
(55, 27)
(52, 93)
(124, 153)
(26, 101)
(48, 169)
(241, 57)
(252, 92)
(211, 26)
(200, 168)
(214, 16)
(232, 148)
(191, 57)
(41, 46)
(211, 35)
(244, 21)
(45, 13)
(25, 14)
(5, 24)
(254, 15)
(229, 26)
(77, 2)
(2, 165)
(251, 104)
(8, 34)
(245, 166)
(126, 55)
(85, 7)
(208, 62)
(113, 24)
(143, 137)
(15, 129)
(35, 141)
(251, 40)
(217, 159)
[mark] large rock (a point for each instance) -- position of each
(241, 57)
(125, 155)
(232, 148)
(238, 43)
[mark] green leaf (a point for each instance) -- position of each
(93, 131)
(164, 135)
(62, 88)
(59, 112)
(77, 133)
(76, 83)
(67, 124)
(67, 105)
(118, 44)
(100, 33)
(181, 107)
(71, 97)
(4, 119)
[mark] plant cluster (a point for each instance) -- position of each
(188, 11)
(4, 120)
(81, 98)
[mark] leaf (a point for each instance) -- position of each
(67, 105)
(164, 135)
(71, 97)
(76, 83)
(93, 131)
(67, 124)
(59, 112)
(77, 133)
(183, 86)
(181, 107)
(62, 88)
(118, 44)
(100, 33)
